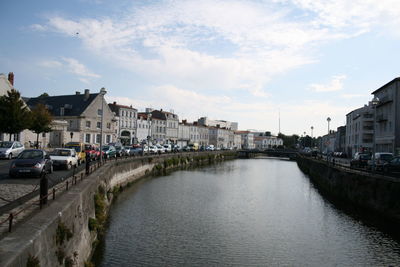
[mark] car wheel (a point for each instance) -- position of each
(10, 156)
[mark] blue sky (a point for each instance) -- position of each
(244, 61)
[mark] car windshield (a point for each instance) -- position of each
(365, 156)
(88, 147)
(106, 148)
(5, 144)
(31, 154)
(386, 156)
(77, 148)
(61, 152)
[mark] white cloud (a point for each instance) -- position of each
(75, 67)
(50, 64)
(336, 84)
(351, 96)
(38, 27)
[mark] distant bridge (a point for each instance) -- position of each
(279, 153)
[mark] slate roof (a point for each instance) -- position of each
(74, 105)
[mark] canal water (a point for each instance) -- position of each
(252, 212)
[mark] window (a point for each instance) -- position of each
(108, 138)
(108, 125)
(70, 124)
(99, 112)
(98, 138)
(87, 124)
(98, 125)
(87, 138)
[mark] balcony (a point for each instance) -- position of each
(381, 118)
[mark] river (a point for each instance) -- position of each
(250, 212)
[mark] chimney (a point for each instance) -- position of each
(11, 78)
(114, 103)
(160, 110)
(77, 93)
(87, 92)
(184, 121)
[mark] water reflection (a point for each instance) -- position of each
(259, 212)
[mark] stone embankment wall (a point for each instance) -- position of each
(65, 232)
(374, 193)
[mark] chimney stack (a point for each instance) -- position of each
(115, 103)
(77, 93)
(87, 92)
(11, 78)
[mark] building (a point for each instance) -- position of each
(219, 137)
(263, 142)
(183, 134)
(143, 130)
(359, 132)
(247, 141)
(218, 123)
(83, 114)
(327, 144)
(126, 123)
(237, 141)
(340, 139)
(387, 132)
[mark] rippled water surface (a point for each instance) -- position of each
(254, 212)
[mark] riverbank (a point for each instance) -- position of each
(374, 194)
(65, 232)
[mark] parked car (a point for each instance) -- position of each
(380, 159)
(120, 151)
(186, 148)
(160, 148)
(80, 150)
(136, 150)
(31, 163)
(109, 152)
(93, 152)
(177, 148)
(392, 166)
(10, 149)
(360, 160)
(167, 148)
(153, 149)
(64, 158)
(210, 148)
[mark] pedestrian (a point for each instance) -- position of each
(87, 162)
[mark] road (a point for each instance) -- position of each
(12, 189)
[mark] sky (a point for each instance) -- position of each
(252, 62)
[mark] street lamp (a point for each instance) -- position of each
(312, 129)
(374, 102)
(102, 93)
(329, 120)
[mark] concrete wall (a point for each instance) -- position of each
(72, 210)
(377, 194)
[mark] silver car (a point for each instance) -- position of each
(10, 149)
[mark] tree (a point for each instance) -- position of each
(14, 114)
(44, 95)
(40, 121)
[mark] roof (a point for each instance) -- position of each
(389, 83)
(74, 105)
(115, 107)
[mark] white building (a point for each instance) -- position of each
(126, 120)
(218, 123)
(143, 129)
(247, 139)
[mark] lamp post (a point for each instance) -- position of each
(312, 129)
(328, 120)
(149, 121)
(102, 93)
(374, 102)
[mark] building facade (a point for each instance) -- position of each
(143, 130)
(126, 123)
(387, 127)
(359, 131)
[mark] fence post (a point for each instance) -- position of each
(44, 189)
(67, 185)
(10, 220)
(54, 193)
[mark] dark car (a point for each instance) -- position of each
(31, 163)
(109, 152)
(392, 166)
(360, 160)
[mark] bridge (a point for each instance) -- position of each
(279, 153)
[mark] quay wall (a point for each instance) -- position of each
(374, 193)
(65, 232)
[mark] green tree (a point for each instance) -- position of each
(40, 121)
(14, 114)
(44, 95)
